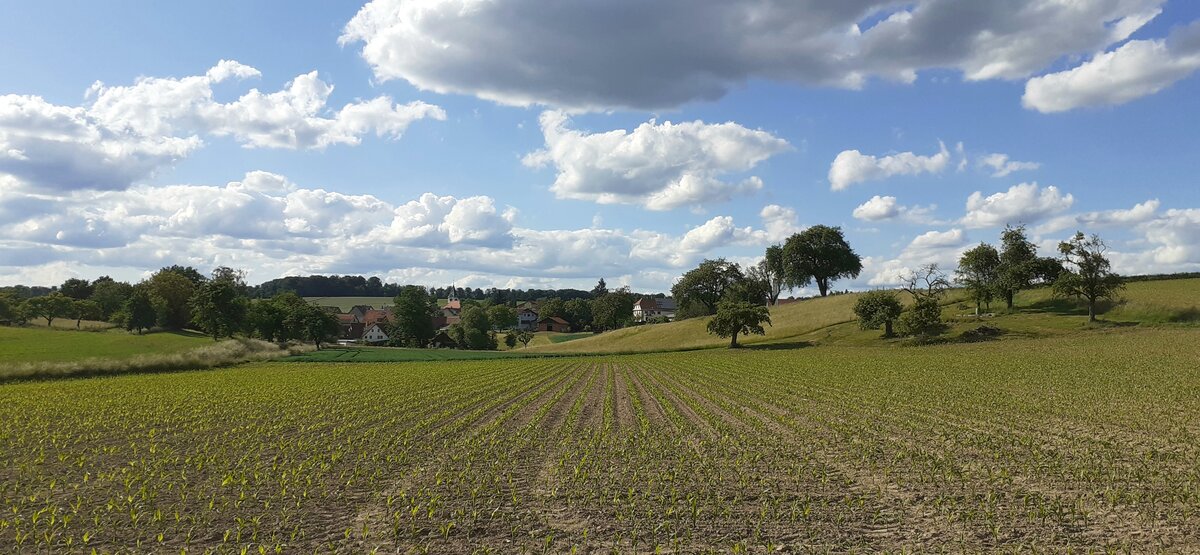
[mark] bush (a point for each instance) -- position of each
(876, 309)
(924, 319)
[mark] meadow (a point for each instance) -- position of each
(38, 343)
(1024, 444)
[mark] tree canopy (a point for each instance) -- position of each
(706, 284)
(1088, 273)
(877, 309)
(736, 317)
(819, 254)
(979, 271)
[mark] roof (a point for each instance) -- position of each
(666, 303)
(529, 310)
(347, 318)
(376, 315)
(554, 319)
(455, 304)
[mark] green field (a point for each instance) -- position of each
(346, 303)
(393, 354)
(1024, 445)
(38, 344)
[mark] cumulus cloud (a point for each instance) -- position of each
(1125, 217)
(656, 166)
(1138, 68)
(851, 166)
(125, 133)
(270, 226)
(602, 54)
(884, 208)
(932, 247)
(1001, 165)
(1025, 203)
(779, 222)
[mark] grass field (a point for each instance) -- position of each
(346, 303)
(1030, 444)
(36, 344)
(392, 354)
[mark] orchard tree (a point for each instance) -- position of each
(612, 310)
(553, 306)
(926, 285)
(171, 292)
(1018, 263)
(139, 310)
(705, 285)
(525, 336)
(736, 317)
(85, 310)
(771, 269)
(1088, 274)
(578, 312)
(313, 324)
(54, 305)
(75, 288)
(413, 310)
(218, 306)
(510, 339)
(110, 295)
(979, 271)
(819, 254)
(502, 317)
(878, 308)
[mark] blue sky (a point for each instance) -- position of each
(527, 144)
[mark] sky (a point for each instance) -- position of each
(548, 144)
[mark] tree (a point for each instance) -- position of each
(1088, 274)
(705, 285)
(85, 310)
(821, 254)
(139, 310)
(475, 330)
(926, 285)
(613, 310)
(510, 339)
(76, 288)
(553, 306)
(313, 324)
(171, 292)
(738, 317)
(8, 308)
(110, 295)
(1018, 259)
(525, 336)
(193, 275)
(579, 313)
(218, 307)
(770, 268)
(877, 309)
(979, 271)
(413, 310)
(600, 290)
(502, 317)
(54, 305)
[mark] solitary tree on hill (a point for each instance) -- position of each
(706, 284)
(819, 254)
(736, 317)
(877, 309)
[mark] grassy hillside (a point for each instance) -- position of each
(789, 322)
(346, 303)
(831, 319)
(36, 344)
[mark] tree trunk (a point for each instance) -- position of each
(49, 321)
(887, 328)
(823, 285)
(1091, 310)
(976, 309)
(733, 341)
(78, 323)
(1008, 298)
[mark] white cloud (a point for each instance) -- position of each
(125, 133)
(1138, 68)
(1025, 203)
(625, 54)
(656, 166)
(1127, 217)
(271, 227)
(779, 222)
(851, 166)
(932, 247)
(1001, 165)
(883, 208)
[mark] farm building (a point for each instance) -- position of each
(553, 323)
(649, 307)
(527, 319)
(375, 335)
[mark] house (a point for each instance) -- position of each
(527, 319)
(441, 341)
(375, 335)
(648, 307)
(450, 316)
(553, 323)
(376, 316)
(360, 311)
(353, 331)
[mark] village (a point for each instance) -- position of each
(368, 325)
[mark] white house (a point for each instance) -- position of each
(375, 334)
(527, 319)
(648, 307)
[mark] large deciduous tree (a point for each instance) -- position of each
(877, 309)
(218, 305)
(85, 310)
(1018, 263)
(502, 317)
(1088, 273)
(736, 317)
(413, 311)
(578, 313)
(171, 292)
(979, 271)
(54, 305)
(139, 309)
(110, 295)
(819, 254)
(75, 288)
(612, 310)
(705, 285)
(771, 269)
